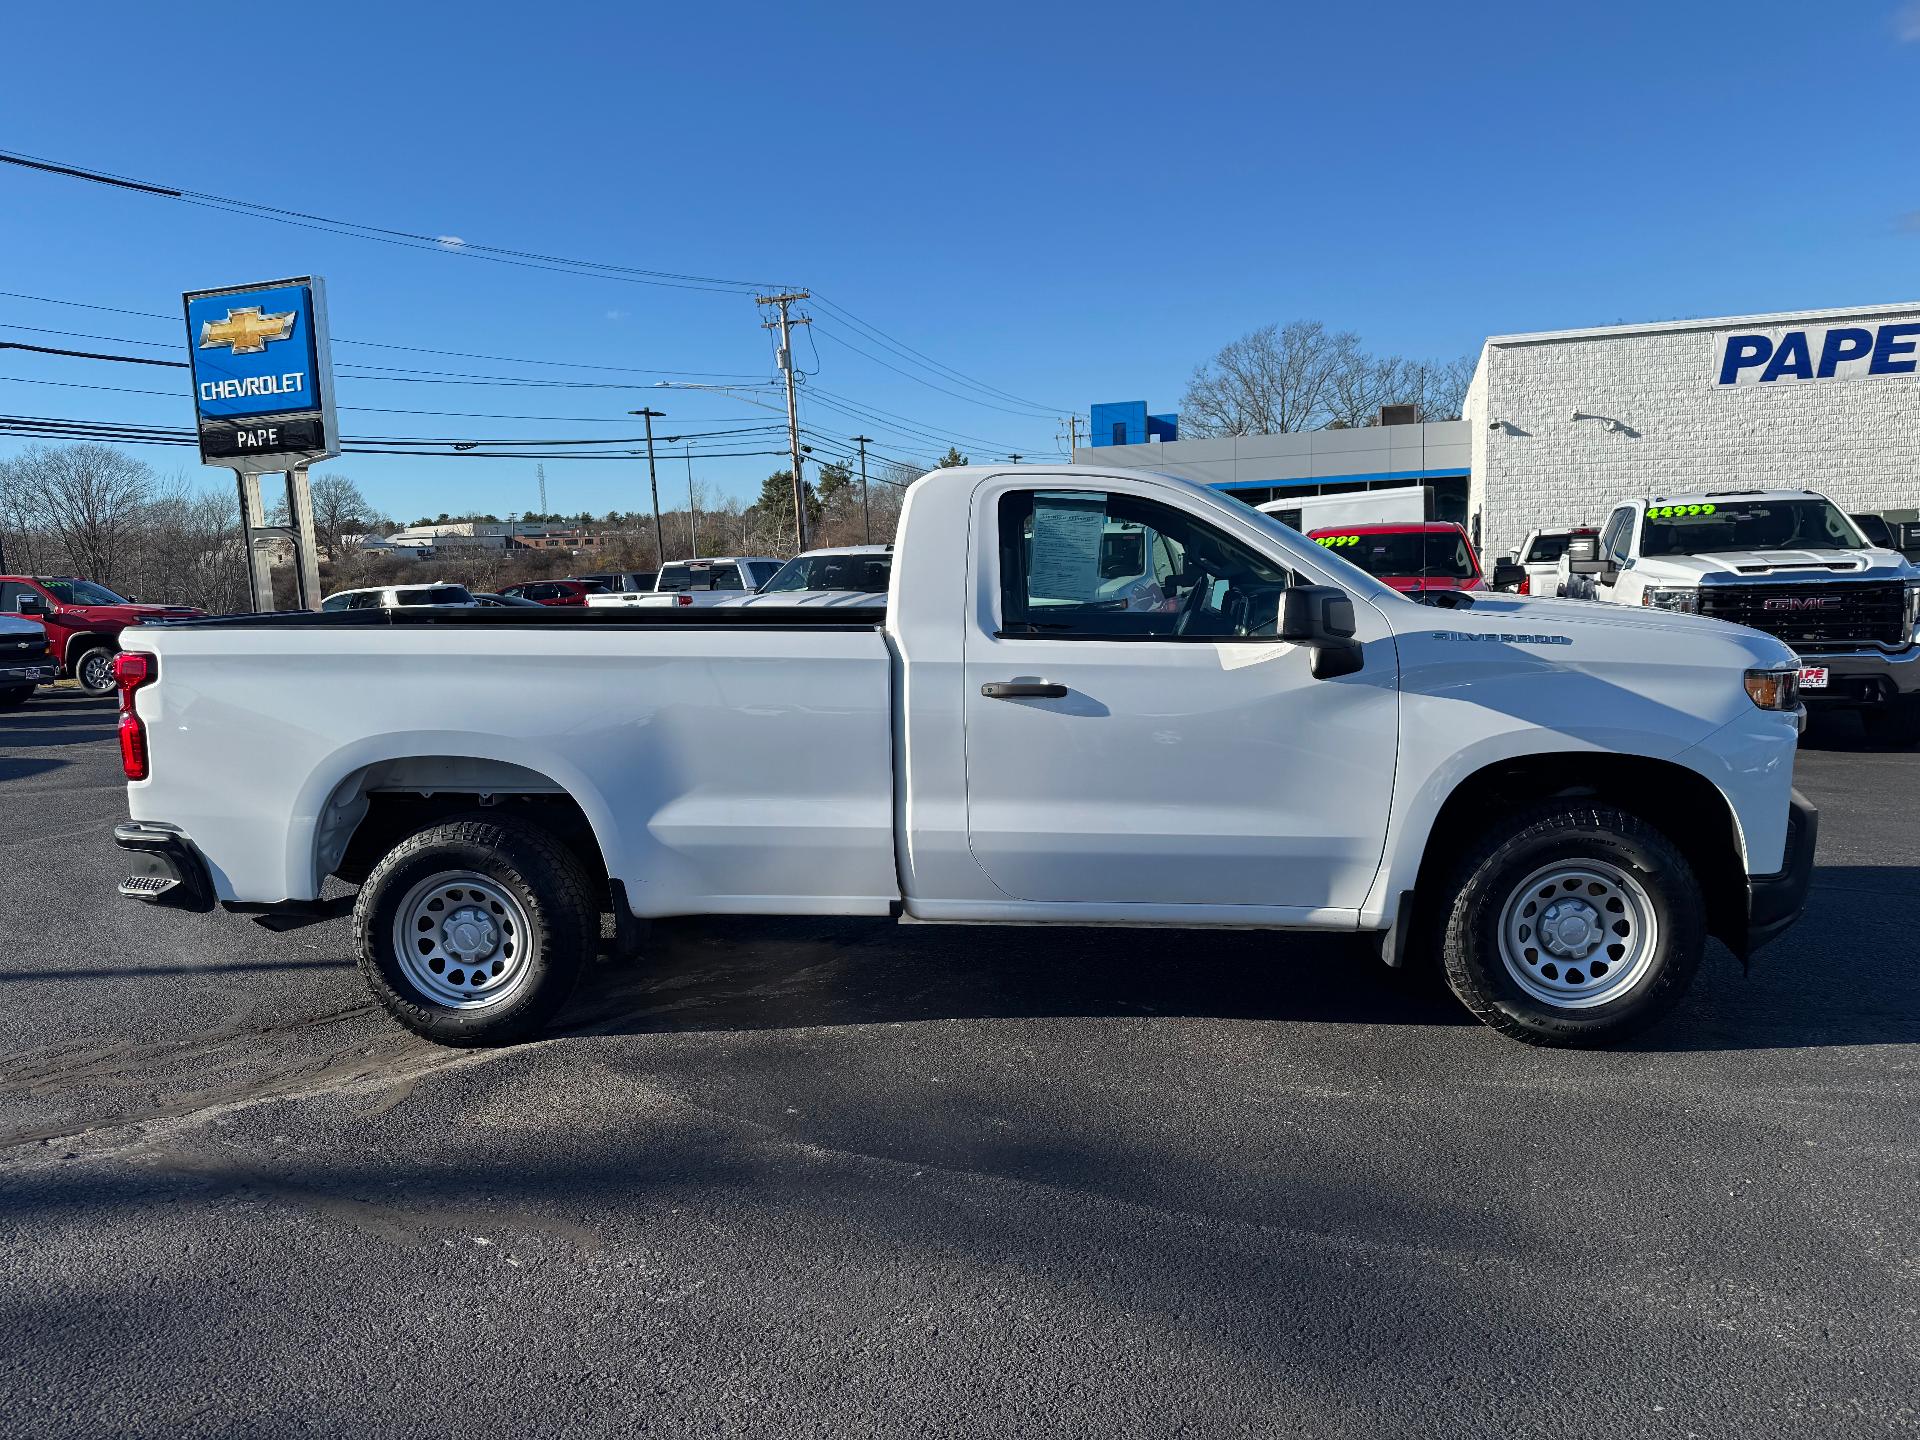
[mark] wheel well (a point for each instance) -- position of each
(79, 643)
(374, 809)
(1683, 804)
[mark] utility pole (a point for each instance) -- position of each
(784, 324)
(540, 472)
(653, 482)
(1015, 458)
(1072, 437)
(693, 510)
(866, 515)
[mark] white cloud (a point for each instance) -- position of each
(1906, 21)
(616, 314)
(452, 242)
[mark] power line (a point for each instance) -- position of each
(408, 239)
(919, 380)
(902, 348)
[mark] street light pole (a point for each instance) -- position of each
(866, 515)
(653, 483)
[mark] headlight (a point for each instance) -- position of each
(1913, 604)
(1776, 687)
(1672, 597)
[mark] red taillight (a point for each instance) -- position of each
(1525, 586)
(131, 670)
(683, 598)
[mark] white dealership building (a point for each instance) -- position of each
(1560, 424)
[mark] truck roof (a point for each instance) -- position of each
(1391, 527)
(1696, 497)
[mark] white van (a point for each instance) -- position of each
(1352, 507)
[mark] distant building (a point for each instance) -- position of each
(1126, 422)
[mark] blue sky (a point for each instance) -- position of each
(1068, 203)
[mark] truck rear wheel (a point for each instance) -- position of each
(1574, 924)
(474, 931)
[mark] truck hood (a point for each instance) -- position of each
(1413, 584)
(814, 599)
(130, 614)
(1500, 613)
(1759, 564)
(19, 627)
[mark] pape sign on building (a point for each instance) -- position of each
(262, 375)
(1817, 352)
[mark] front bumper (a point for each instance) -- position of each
(35, 672)
(163, 868)
(1864, 677)
(1775, 901)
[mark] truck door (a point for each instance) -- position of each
(1142, 738)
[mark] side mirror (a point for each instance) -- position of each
(1508, 574)
(31, 603)
(1583, 556)
(1321, 616)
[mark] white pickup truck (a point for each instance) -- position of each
(1789, 562)
(1558, 801)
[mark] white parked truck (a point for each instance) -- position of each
(714, 581)
(1789, 562)
(1558, 801)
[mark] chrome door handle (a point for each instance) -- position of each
(1023, 690)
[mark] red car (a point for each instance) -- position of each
(83, 622)
(1412, 558)
(556, 592)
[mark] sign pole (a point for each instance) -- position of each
(253, 520)
(306, 549)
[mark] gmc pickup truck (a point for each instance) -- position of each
(1789, 562)
(1558, 801)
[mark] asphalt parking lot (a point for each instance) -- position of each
(825, 1177)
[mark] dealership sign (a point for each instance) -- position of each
(262, 375)
(1817, 352)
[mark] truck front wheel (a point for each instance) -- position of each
(94, 671)
(474, 931)
(1573, 924)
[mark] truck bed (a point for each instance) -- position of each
(516, 617)
(726, 761)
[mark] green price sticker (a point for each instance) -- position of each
(1678, 512)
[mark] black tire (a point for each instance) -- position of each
(95, 678)
(1895, 723)
(15, 696)
(540, 875)
(1570, 832)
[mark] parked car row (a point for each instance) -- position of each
(80, 621)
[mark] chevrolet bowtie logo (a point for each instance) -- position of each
(246, 331)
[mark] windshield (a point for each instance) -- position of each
(1445, 555)
(1730, 525)
(1546, 549)
(864, 573)
(82, 592)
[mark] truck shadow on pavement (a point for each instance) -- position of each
(1837, 978)
(69, 719)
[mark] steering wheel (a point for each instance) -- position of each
(1195, 602)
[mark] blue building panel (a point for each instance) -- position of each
(1119, 422)
(1163, 427)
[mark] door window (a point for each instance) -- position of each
(10, 593)
(1093, 565)
(1614, 543)
(725, 577)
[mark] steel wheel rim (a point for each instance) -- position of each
(463, 941)
(96, 671)
(1578, 933)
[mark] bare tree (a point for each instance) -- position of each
(342, 515)
(1270, 381)
(85, 499)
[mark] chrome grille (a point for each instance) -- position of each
(1828, 612)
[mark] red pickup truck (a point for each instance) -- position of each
(1413, 557)
(83, 622)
